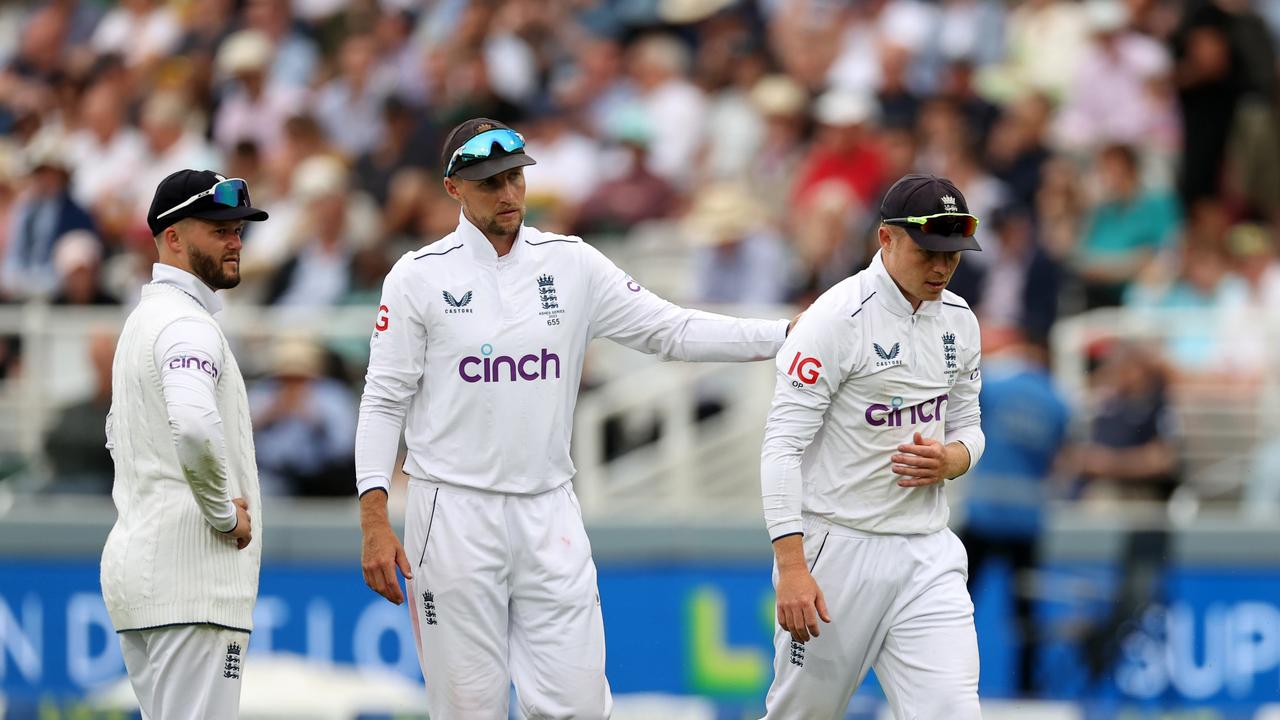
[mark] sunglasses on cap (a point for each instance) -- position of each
(481, 146)
(232, 192)
(945, 224)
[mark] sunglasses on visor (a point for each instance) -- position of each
(233, 192)
(481, 146)
(961, 224)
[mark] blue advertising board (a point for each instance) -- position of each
(1212, 642)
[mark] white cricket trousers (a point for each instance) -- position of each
(186, 671)
(503, 591)
(897, 603)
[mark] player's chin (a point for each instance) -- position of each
(229, 278)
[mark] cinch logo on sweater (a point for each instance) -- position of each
(878, 414)
(187, 362)
(503, 368)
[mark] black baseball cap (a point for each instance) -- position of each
(498, 160)
(192, 194)
(922, 196)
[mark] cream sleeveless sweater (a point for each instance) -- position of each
(163, 563)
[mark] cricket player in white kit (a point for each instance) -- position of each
(876, 406)
(180, 568)
(480, 341)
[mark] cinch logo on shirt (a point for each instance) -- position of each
(503, 368)
(187, 362)
(878, 414)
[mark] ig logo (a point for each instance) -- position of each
(804, 368)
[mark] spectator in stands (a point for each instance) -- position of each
(1253, 256)
(296, 57)
(1020, 288)
(251, 108)
(635, 194)
(142, 31)
(1017, 149)
(782, 105)
(899, 105)
(1113, 98)
(401, 145)
(44, 213)
(1203, 282)
(593, 88)
(103, 149)
(28, 79)
(1209, 88)
(674, 108)
(1132, 451)
(171, 141)
(1025, 420)
(844, 151)
(738, 258)
(333, 223)
(730, 65)
(76, 447)
(1044, 41)
(1125, 229)
(77, 258)
(568, 166)
(304, 424)
(957, 86)
(350, 106)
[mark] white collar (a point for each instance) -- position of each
(187, 283)
(479, 245)
(890, 295)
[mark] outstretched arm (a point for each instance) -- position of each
(624, 311)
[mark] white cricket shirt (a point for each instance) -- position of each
(859, 375)
(483, 354)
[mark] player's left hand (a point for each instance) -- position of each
(920, 463)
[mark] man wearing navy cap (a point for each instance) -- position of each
(876, 406)
(479, 344)
(180, 568)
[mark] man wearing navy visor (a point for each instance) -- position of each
(180, 567)
(875, 408)
(477, 351)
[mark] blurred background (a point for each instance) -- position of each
(1124, 156)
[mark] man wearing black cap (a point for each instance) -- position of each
(876, 406)
(180, 570)
(480, 340)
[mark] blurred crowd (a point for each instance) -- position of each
(1118, 152)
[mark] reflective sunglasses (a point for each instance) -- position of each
(941, 223)
(232, 192)
(481, 146)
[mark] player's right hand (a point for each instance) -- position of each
(800, 603)
(380, 556)
(242, 533)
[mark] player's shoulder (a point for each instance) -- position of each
(845, 299)
(954, 304)
(543, 242)
(430, 257)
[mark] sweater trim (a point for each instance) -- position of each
(175, 625)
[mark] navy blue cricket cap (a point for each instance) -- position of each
(498, 161)
(922, 196)
(173, 200)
